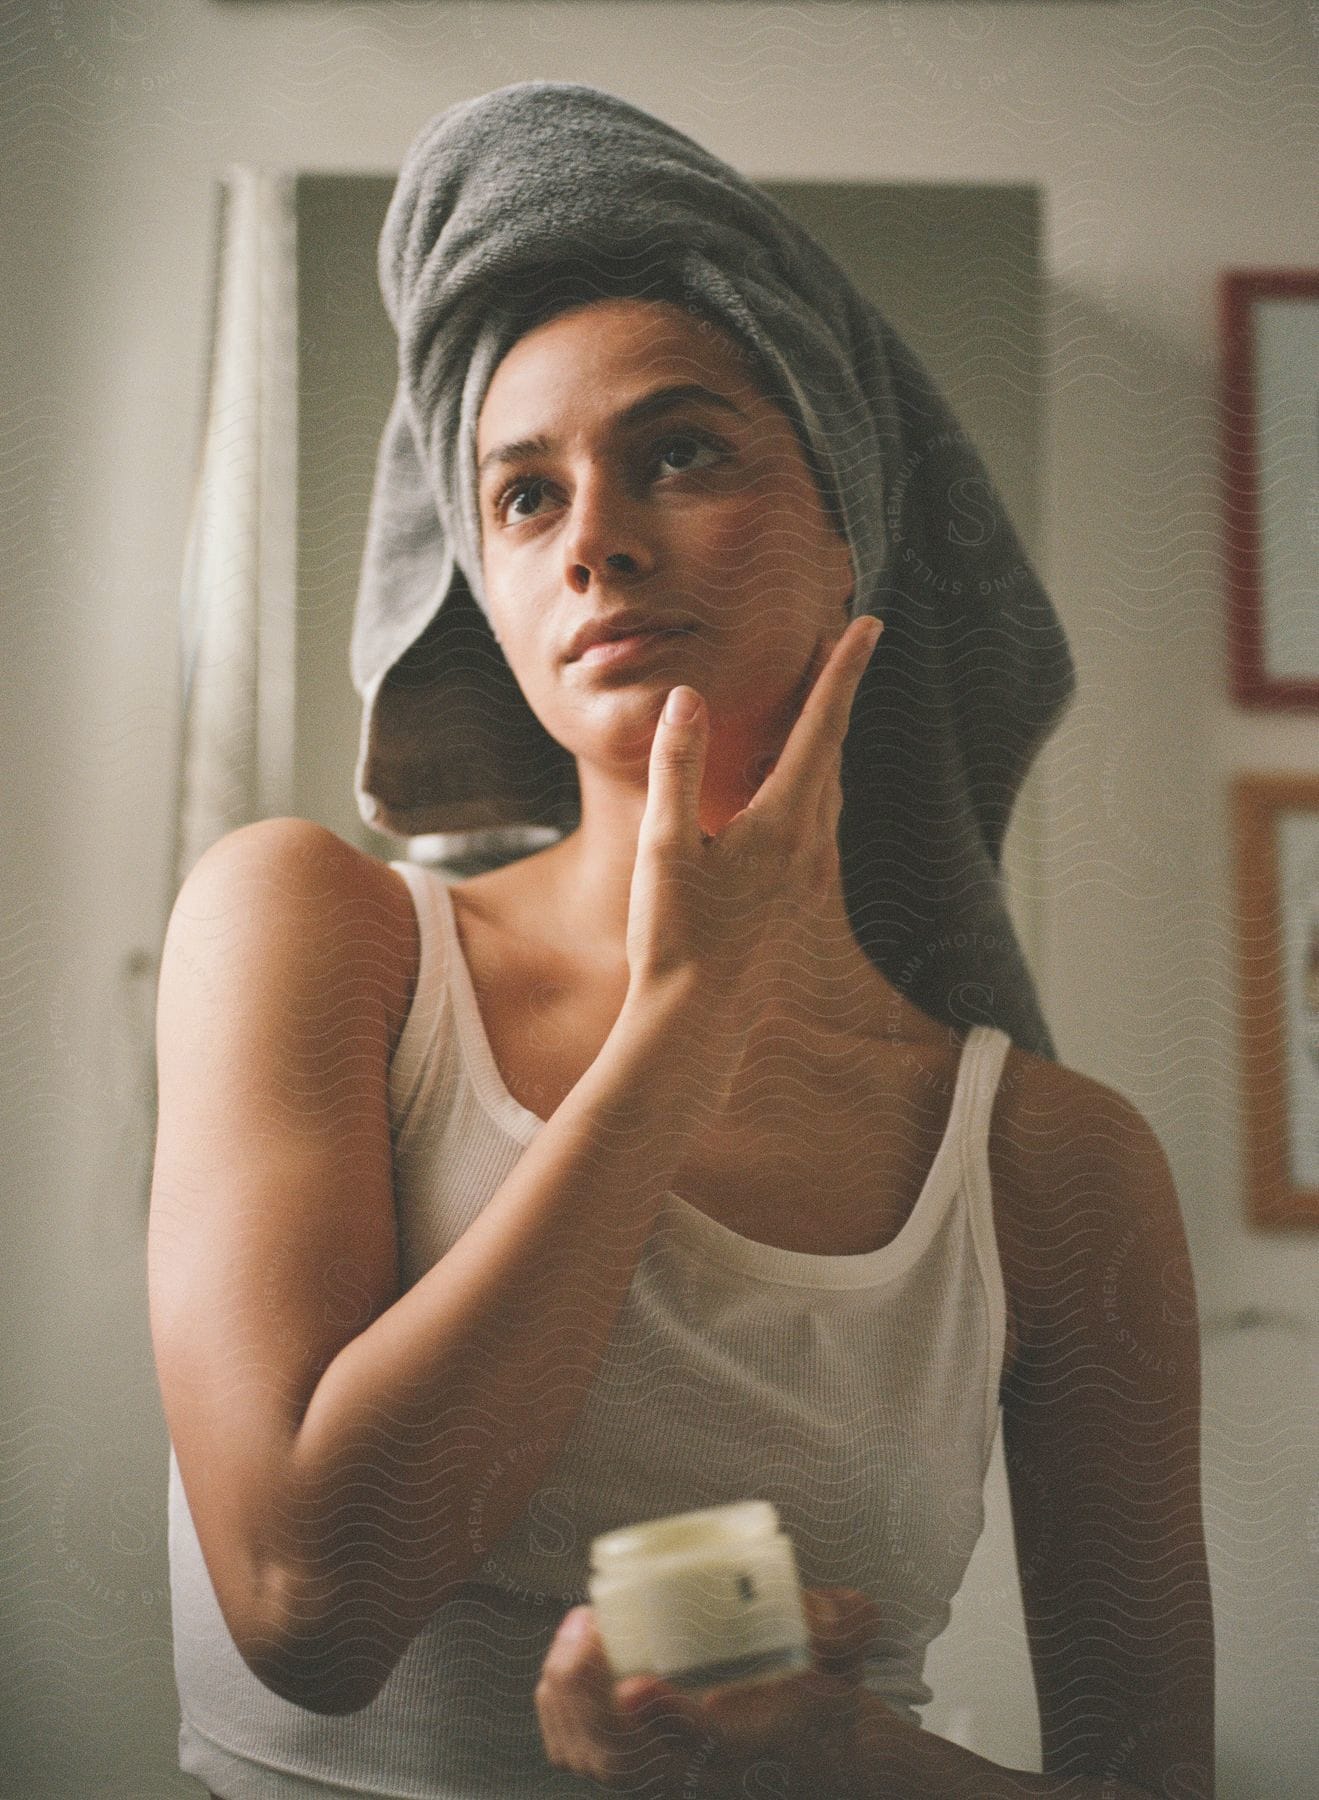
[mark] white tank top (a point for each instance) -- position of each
(858, 1393)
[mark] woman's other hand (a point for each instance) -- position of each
(709, 906)
(642, 1736)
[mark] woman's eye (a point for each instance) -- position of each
(682, 454)
(510, 502)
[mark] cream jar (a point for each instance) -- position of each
(701, 1598)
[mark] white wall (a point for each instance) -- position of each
(1171, 139)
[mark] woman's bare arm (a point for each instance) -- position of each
(1101, 1430)
(333, 1436)
(330, 1434)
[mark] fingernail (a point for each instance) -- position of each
(680, 707)
(872, 634)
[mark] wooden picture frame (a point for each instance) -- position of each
(1269, 332)
(1276, 846)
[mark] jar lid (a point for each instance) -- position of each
(710, 1528)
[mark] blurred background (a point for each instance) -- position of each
(1042, 196)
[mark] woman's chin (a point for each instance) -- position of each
(618, 728)
(622, 717)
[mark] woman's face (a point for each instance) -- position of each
(629, 463)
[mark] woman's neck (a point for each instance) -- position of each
(582, 891)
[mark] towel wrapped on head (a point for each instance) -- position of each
(541, 196)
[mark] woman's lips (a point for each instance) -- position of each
(610, 651)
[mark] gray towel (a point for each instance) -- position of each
(510, 207)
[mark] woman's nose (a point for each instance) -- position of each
(606, 539)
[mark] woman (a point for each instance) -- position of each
(626, 1178)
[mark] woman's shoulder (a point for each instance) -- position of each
(302, 894)
(1075, 1166)
(1051, 1120)
(298, 865)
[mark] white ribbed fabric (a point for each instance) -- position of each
(858, 1393)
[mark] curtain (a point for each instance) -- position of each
(237, 604)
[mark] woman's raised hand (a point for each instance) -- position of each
(705, 906)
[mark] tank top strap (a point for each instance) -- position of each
(413, 1067)
(445, 989)
(987, 1051)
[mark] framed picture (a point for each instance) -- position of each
(1276, 833)
(1269, 324)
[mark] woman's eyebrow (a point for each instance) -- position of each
(649, 406)
(683, 393)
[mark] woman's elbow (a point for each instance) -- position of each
(320, 1679)
(325, 1668)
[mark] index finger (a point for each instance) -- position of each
(822, 723)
